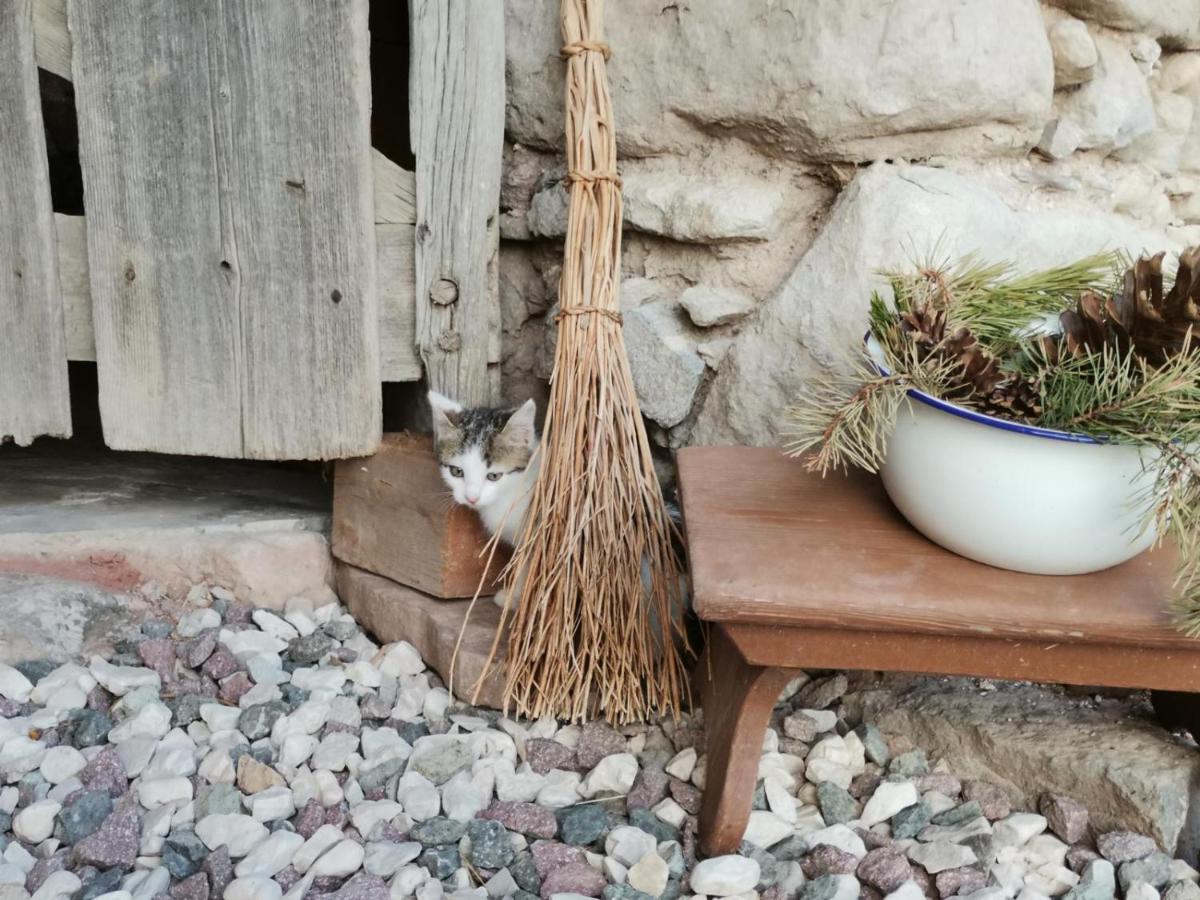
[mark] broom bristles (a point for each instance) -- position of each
(587, 636)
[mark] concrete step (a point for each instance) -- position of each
(152, 526)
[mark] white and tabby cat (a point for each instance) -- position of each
(487, 460)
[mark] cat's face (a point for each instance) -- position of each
(482, 451)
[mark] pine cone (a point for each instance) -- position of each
(979, 378)
(1139, 318)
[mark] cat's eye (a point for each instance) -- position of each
(455, 471)
(495, 476)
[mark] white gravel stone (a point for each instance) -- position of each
(910, 890)
(334, 750)
(301, 621)
(840, 836)
(260, 693)
(58, 886)
(10, 874)
(60, 763)
(831, 748)
(296, 749)
(682, 764)
(407, 881)
(253, 889)
(889, 798)
(612, 775)
(386, 858)
(344, 858)
(463, 799)
(779, 801)
(400, 658)
(323, 838)
(502, 884)
(670, 812)
(766, 829)
(174, 755)
(156, 825)
(35, 822)
(152, 721)
(267, 668)
(20, 857)
(239, 833)
(270, 857)
(1018, 829)
(64, 789)
(628, 844)
(725, 876)
(195, 621)
(217, 768)
(13, 685)
(1140, 890)
(315, 679)
(614, 871)
(366, 815)
(649, 875)
(956, 834)
(274, 625)
(9, 798)
(19, 756)
(248, 643)
(120, 680)
(308, 718)
(941, 855)
(820, 770)
(560, 790)
(518, 786)
(115, 895)
(364, 674)
(272, 804)
(164, 791)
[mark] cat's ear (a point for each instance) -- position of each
(445, 412)
(520, 425)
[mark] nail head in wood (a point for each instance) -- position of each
(443, 292)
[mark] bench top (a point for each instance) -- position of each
(772, 544)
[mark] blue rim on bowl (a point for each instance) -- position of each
(875, 354)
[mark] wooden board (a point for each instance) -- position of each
(437, 628)
(771, 544)
(51, 39)
(395, 192)
(230, 246)
(76, 290)
(457, 116)
(34, 394)
(394, 263)
(398, 357)
(394, 516)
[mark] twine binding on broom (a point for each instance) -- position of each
(586, 635)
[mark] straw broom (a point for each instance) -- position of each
(598, 623)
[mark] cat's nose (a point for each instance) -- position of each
(472, 500)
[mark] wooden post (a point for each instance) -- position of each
(34, 396)
(456, 111)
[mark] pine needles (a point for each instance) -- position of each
(1083, 347)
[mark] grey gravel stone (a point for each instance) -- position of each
(84, 813)
(438, 830)
(183, 853)
(909, 821)
(1154, 869)
(583, 824)
(835, 803)
(958, 815)
(256, 721)
(307, 650)
(441, 862)
(909, 764)
(86, 728)
(874, 744)
(490, 844)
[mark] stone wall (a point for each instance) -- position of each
(777, 153)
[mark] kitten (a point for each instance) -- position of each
(487, 460)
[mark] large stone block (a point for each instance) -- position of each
(881, 220)
(1175, 22)
(827, 79)
(1029, 740)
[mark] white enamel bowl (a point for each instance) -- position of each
(1015, 496)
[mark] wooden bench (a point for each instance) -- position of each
(792, 570)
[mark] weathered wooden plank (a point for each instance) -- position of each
(301, 204)
(457, 117)
(34, 396)
(225, 154)
(51, 39)
(161, 262)
(398, 358)
(395, 191)
(76, 291)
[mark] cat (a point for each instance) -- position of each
(487, 460)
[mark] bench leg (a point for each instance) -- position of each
(738, 699)
(1177, 709)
